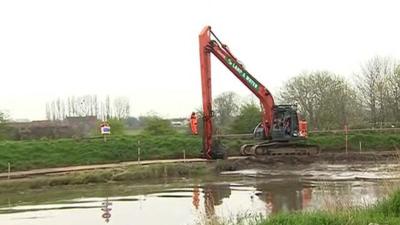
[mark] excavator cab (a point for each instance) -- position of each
(285, 125)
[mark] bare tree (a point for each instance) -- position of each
(48, 111)
(88, 105)
(121, 108)
(102, 109)
(325, 99)
(96, 106)
(107, 108)
(226, 107)
(69, 107)
(373, 86)
(393, 96)
(59, 115)
(53, 111)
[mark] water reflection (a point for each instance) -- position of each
(276, 197)
(196, 197)
(284, 196)
(106, 210)
(213, 196)
(185, 203)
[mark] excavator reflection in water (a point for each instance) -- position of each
(282, 197)
(212, 196)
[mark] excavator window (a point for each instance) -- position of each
(285, 123)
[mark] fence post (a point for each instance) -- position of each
(138, 151)
(9, 170)
(346, 129)
(184, 155)
(360, 147)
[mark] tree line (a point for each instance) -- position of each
(88, 105)
(326, 100)
(329, 101)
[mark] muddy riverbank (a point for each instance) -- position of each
(374, 157)
(211, 169)
(191, 199)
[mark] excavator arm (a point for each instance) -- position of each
(209, 43)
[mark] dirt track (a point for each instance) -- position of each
(29, 173)
(239, 162)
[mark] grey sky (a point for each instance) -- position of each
(148, 50)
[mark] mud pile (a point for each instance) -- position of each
(327, 157)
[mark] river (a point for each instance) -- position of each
(186, 201)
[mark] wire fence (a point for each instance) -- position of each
(316, 132)
(364, 130)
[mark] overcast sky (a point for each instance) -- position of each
(148, 50)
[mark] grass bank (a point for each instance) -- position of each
(369, 141)
(136, 173)
(386, 212)
(34, 154)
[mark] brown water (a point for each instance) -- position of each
(247, 192)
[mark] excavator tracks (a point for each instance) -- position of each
(279, 149)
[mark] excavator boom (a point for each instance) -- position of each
(209, 44)
(221, 52)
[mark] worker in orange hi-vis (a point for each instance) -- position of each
(193, 123)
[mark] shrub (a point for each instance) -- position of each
(155, 125)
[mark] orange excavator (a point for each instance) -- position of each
(280, 128)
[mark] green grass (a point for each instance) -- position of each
(386, 212)
(34, 154)
(369, 141)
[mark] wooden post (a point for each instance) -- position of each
(105, 138)
(138, 150)
(345, 129)
(9, 170)
(360, 147)
(184, 155)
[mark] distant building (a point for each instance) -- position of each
(69, 127)
(20, 120)
(176, 123)
(82, 125)
(179, 122)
